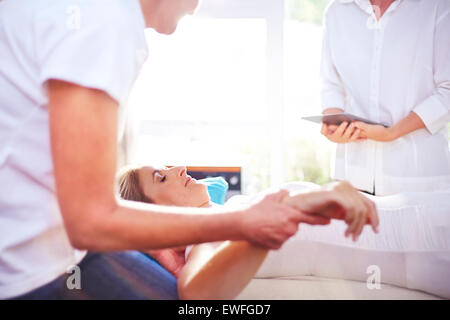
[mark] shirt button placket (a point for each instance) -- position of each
(375, 74)
(374, 93)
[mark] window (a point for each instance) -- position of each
(227, 90)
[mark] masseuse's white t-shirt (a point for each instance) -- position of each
(93, 43)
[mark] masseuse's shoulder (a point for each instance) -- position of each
(83, 15)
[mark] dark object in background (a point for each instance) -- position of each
(233, 176)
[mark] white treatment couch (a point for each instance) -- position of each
(315, 288)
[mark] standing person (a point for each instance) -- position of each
(65, 70)
(389, 61)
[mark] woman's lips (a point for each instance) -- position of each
(189, 179)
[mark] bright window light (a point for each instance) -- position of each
(209, 70)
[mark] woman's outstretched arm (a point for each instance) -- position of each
(219, 271)
(223, 270)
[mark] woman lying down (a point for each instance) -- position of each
(411, 249)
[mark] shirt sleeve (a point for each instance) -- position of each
(435, 109)
(87, 47)
(332, 88)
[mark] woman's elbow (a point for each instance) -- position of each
(184, 292)
(187, 290)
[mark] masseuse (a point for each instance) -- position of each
(389, 61)
(65, 69)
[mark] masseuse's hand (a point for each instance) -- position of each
(269, 222)
(344, 133)
(338, 200)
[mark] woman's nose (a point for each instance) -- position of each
(180, 171)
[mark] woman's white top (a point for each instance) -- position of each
(93, 43)
(382, 70)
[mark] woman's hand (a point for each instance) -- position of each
(341, 201)
(374, 132)
(270, 222)
(343, 133)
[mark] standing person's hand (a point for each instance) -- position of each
(344, 133)
(269, 222)
(375, 132)
(340, 134)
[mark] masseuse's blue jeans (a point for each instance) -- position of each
(117, 275)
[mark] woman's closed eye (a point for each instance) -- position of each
(159, 177)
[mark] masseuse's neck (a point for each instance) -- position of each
(150, 10)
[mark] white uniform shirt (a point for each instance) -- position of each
(382, 71)
(93, 43)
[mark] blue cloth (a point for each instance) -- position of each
(217, 189)
(122, 275)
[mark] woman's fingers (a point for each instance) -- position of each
(360, 225)
(356, 212)
(352, 223)
(372, 214)
(350, 212)
(359, 210)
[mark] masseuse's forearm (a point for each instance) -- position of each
(407, 125)
(139, 226)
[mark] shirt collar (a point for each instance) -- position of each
(366, 6)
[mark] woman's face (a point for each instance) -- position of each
(172, 187)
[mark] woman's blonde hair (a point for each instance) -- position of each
(129, 184)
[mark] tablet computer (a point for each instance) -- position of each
(338, 118)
